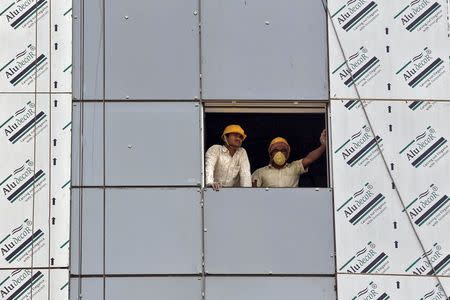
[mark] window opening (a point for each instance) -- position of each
(301, 128)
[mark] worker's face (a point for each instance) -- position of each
(234, 139)
(279, 147)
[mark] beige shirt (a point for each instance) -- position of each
(288, 176)
(230, 171)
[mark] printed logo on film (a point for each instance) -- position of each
(426, 149)
(372, 291)
(362, 65)
(16, 246)
(22, 13)
(18, 185)
(21, 283)
(18, 127)
(429, 208)
(420, 105)
(420, 15)
(367, 260)
(437, 293)
(422, 70)
(355, 104)
(438, 259)
(360, 149)
(24, 67)
(356, 15)
(364, 206)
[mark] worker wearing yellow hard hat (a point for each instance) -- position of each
(234, 129)
(227, 165)
(280, 173)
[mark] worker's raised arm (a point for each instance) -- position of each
(316, 153)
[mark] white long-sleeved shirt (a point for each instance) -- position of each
(230, 171)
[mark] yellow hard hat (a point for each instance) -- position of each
(279, 140)
(234, 129)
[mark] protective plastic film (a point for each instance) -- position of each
(394, 49)
(35, 134)
(39, 284)
(407, 139)
(391, 287)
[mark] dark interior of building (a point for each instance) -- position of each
(302, 131)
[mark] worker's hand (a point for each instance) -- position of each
(323, 138)
(216, 186)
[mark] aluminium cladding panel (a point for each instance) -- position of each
(18, 35)
(60, 160)
(17, 176)
(59, 26)
(18, 31)
(76, 48)
(88, 202)
(153, 231)
(270, 288)
(34, 142)
(395, 49)
(25, 27)
(91, 288)
(153, 143)
(30, 178)
(259, 231)
(38, 190)
(161, 288)
(87, 144)
(373, 233)
(30, 61)
(37, 284)
(421, 149)
(352, 286)
(88, 49)
(262, 49)
(152, 50)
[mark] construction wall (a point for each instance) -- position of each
(392, 206)
(142, 223)
(35, 124)
(388, 151)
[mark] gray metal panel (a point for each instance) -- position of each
(161, 288)
(92, 144)
(92, 64)
(91, 288)
(93, 49)
(264, 49)
(153, 231)
(152, 49)
(76, 42)
(92, 235)
(266, 288)
(153, 143)
(258, 231)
